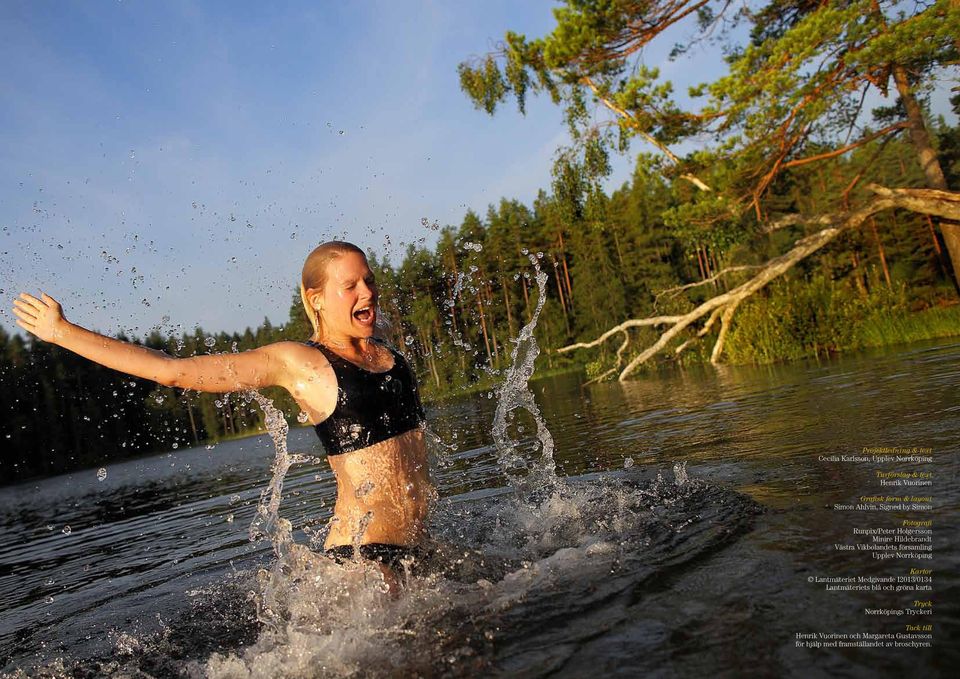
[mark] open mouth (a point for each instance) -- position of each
(364, 315)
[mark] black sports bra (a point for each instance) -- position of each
(371, 407)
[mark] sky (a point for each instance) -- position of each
(167, 165)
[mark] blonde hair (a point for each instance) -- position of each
(314, 275)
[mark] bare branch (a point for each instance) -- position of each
(616, 367)
(943, 204)
(725, 319)
(648, 137)
(796, 220)
(673, 292)
(896, 127)
(632, 323)
(703, 331)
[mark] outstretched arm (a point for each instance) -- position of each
(261, 367)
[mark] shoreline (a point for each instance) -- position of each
(477, 388)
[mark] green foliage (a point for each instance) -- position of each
(798, 318)
(792, 90)
(485, 84)
(454, 309)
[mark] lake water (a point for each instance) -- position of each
(693, 514)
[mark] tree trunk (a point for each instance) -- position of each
(526, 297)
(563, 303)
(930, 164)
(883, 256)
(566, 272)
(425, 338)
(506, 304)
(483, 327)
(856, 274)
(193, 422)
(493, 325)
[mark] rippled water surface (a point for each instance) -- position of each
(691, 513)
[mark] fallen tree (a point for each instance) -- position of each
(935, 203)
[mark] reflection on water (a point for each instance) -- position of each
(623, 572)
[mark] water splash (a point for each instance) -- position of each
(268, 522)
(525, 475)
(546, 554)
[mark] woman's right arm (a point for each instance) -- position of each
(263, 367)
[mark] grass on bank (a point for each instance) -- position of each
(799, 319)
(795, 319)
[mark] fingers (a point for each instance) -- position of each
(28, 328)
(22, 309)
(28, 299)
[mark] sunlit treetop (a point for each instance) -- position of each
(793, 94)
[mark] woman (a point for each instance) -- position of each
(360, 395)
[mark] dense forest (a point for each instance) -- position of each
(656, 247)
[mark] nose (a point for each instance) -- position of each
(366, 290)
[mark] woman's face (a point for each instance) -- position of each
(348, 302)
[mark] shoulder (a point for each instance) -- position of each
(295, 355)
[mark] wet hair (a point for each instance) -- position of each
(314, 276)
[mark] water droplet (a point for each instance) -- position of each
(408, 340)
(176, 445)
(210, 341)
(680, 473)
(102, 474)
(627, 463)
(229, 518)
(302, 417)
(67, 530)
(234, 499)
(365, 488)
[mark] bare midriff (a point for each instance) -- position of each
(383, 493)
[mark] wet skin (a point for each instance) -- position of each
(383, 491)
